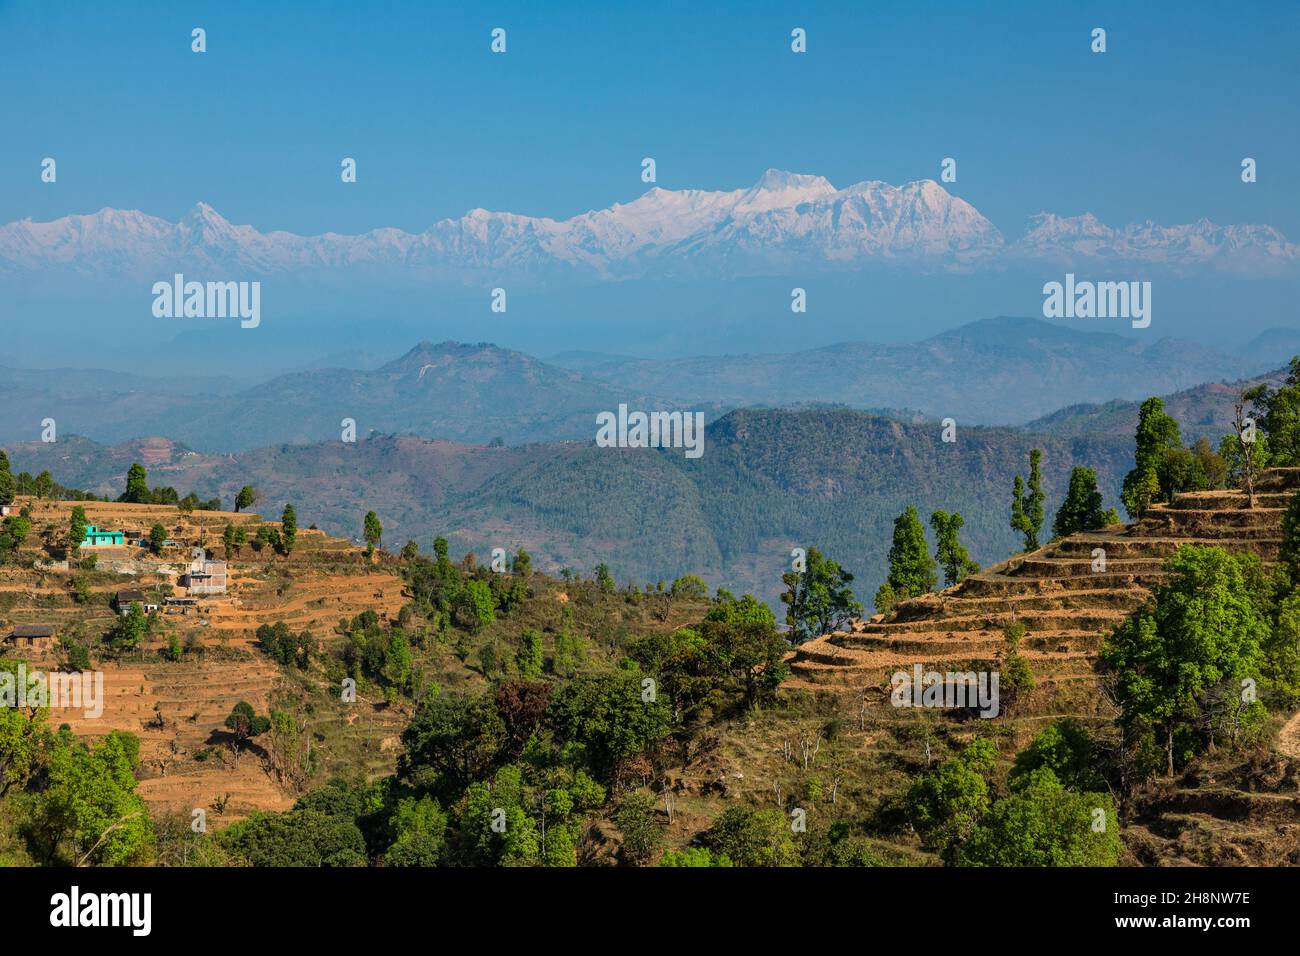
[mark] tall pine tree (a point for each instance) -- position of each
(288, 529)
(1157, 432)
(1081, 510)
(949, 551)
(1027, 505)
(137, 486)
(8, 486)
(911, 569)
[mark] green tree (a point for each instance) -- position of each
(451, 742)
(13, 532)
(266, 536)
(604, 579)
(522, 564)
(481, 843)
(1081, 510)
(233, 538)
(245, 724)
(373, 530)
(1210, 464)
(689, 587)
(419, 828)
(752, 837)
(137, 486)
(912, 571)
(1067, 750)
(529, 660)
(44, 485)
(475, 606)
(18, 527)
(399, 665)
(569, 653)
(750, 654)
(1140, 490)
(246, 498)
(1157, 433)
(299, 838)
(818, 599)
(8, 486)
(1282, 652)
(1027, 504)
(1289, 556)
(638, 820)
(78, 657)
(1017, 676)
(22, 738)
(950, 553)
(285, 647)
(745, 610)
(610, 716)
(693, 856)
(157, 538)
(77, 525)
(945, 805)
(489, 661)
(288, 529)
(1179, 664)
(1281, 418)
(128, 631)
(87, 805)
(1044, 824)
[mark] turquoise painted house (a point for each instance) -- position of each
(101, 539)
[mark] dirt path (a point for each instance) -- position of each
(1288, 738)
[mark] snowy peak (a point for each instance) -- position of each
(785, 222)
(779, 179)
(778, 189)
(204, 224)
(1247, 250)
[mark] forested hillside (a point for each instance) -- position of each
(1203, 411)
(769, 481)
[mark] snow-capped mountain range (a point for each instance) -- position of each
(786, 223)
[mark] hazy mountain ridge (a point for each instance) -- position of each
(1004, 371)
(993, 371)
(468, 393)
(1202, 411)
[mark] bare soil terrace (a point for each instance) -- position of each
(178, 709)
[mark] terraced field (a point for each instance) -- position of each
(1063, 594)
(178, 709)
(1228, 808)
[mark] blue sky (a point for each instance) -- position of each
(1155, 128)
